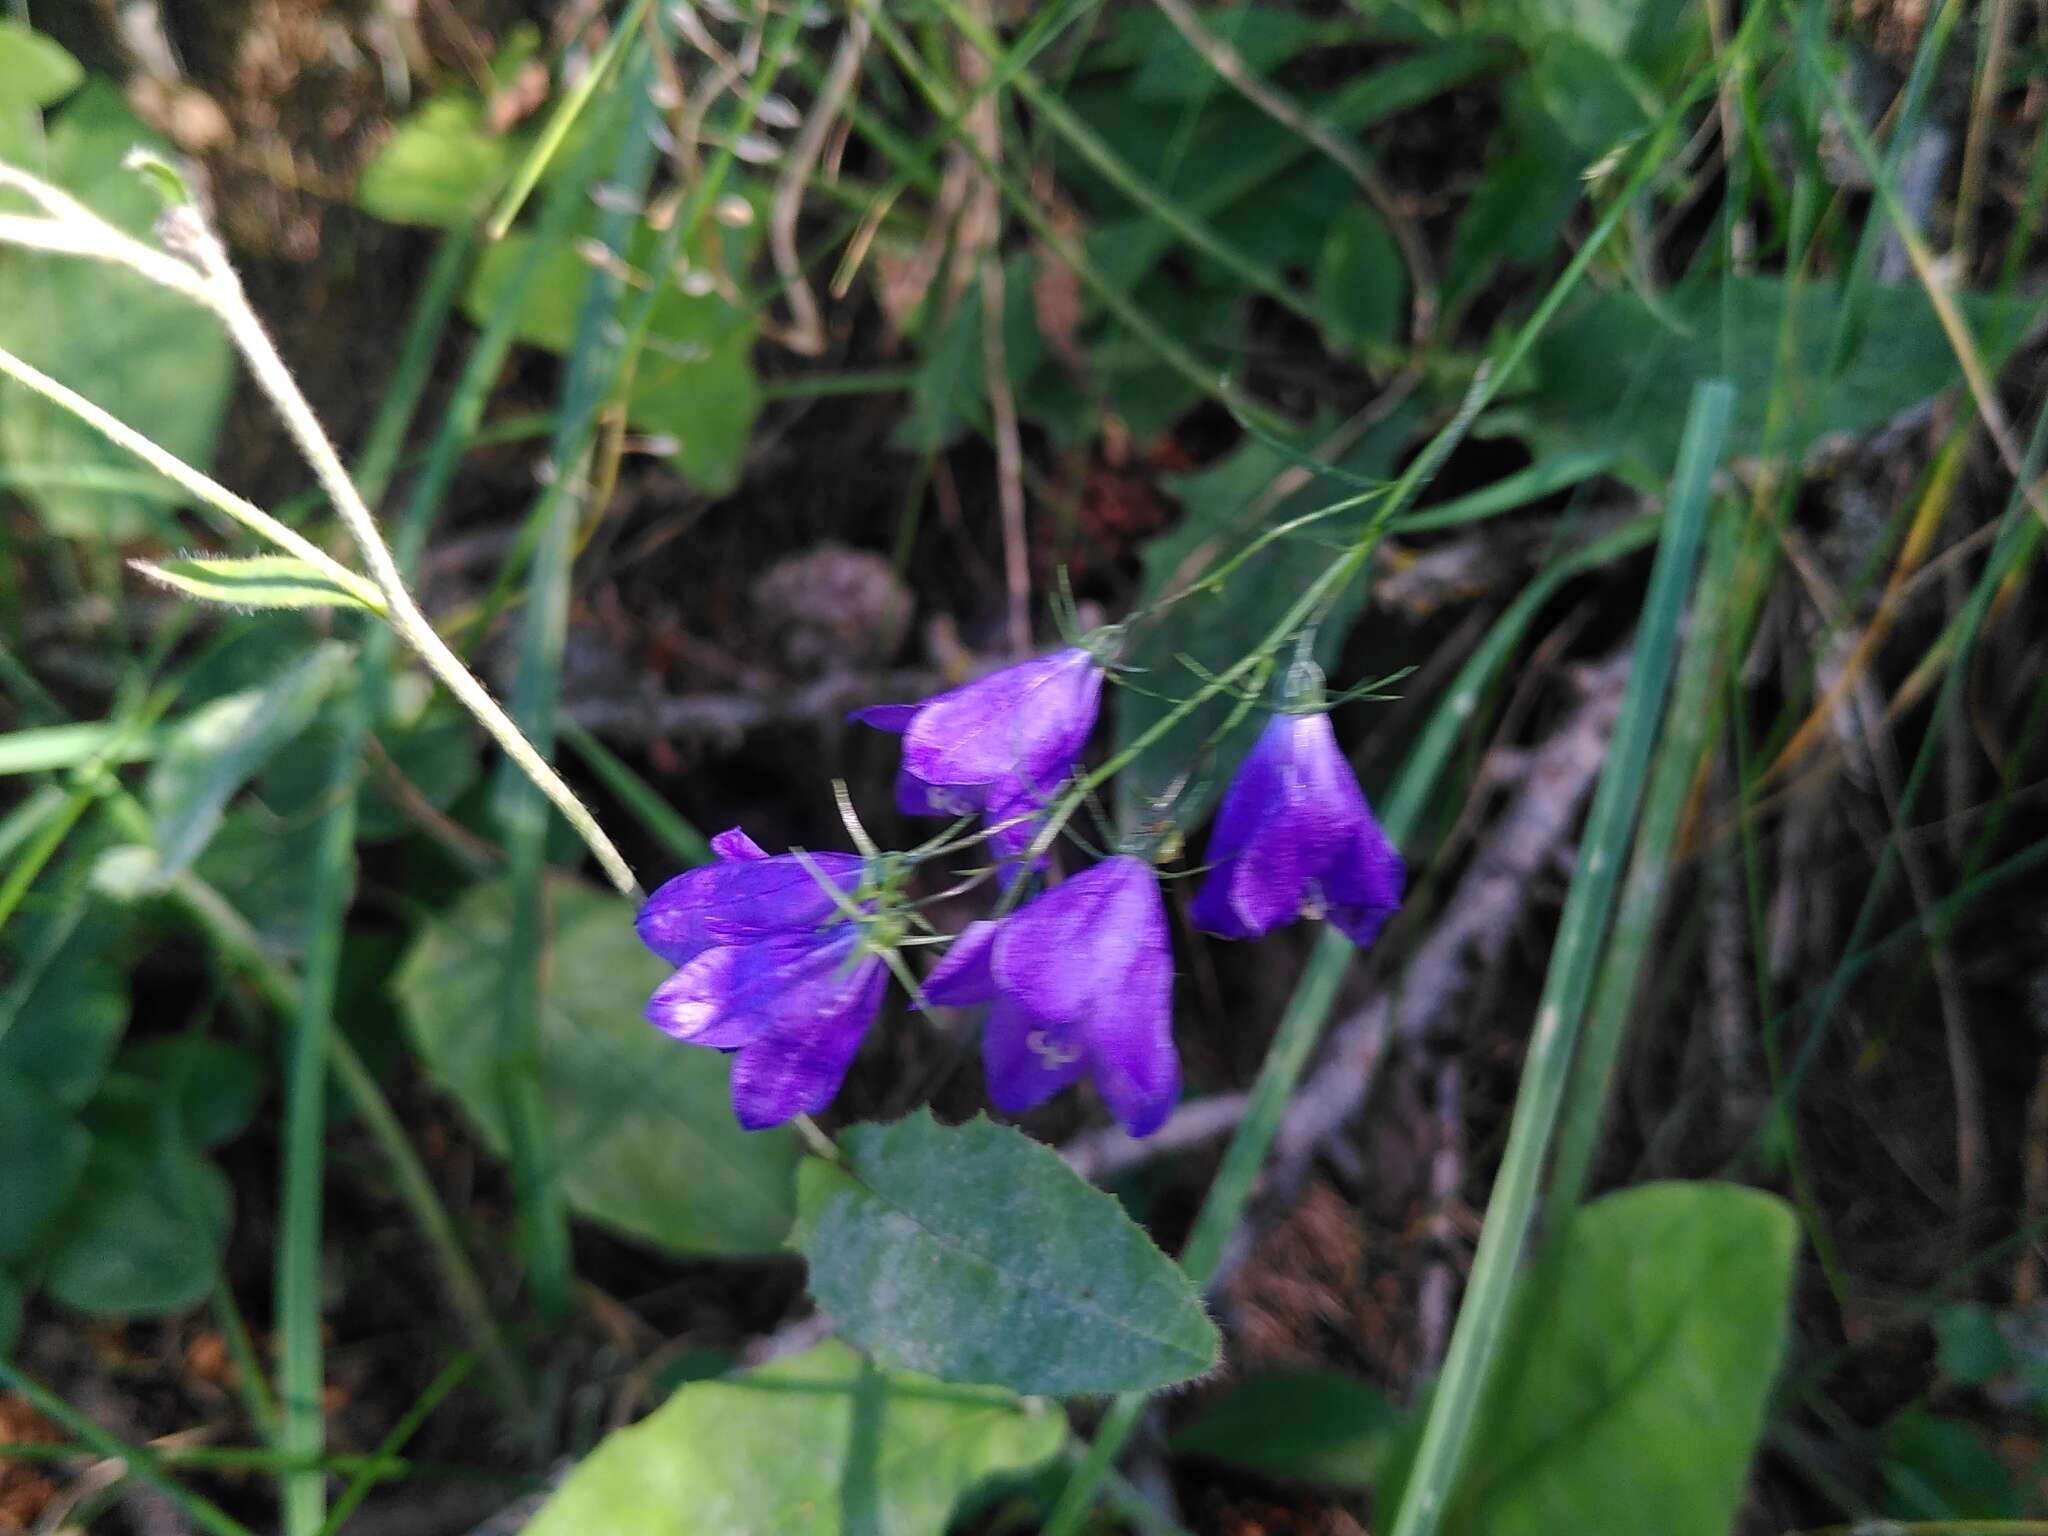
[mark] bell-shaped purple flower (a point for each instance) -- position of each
(1081, 982)
(998, 745)
(747, 894)
(1295, 837)
(769, 971)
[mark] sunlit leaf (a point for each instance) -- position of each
(821, 1443)
(34, 69)
(151, 357)
(259, 581)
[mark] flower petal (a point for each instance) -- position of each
(734, 844)
(742, 899)
(962, 977)
(1028, 721)
(1067, 951)
(695, 1004)
(914, 797)
(1027, 1060)
(1129, 1037)
(1364, 882)
(797, 1066)
(729, 994)
(893, 718)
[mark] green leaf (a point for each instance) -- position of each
(1217, 628)
(260, 581)
(694, 382)
(1360, 282)
(1311, 1426)
(214, 750)
(257, 858)
(647, 1136)
(144, 1231)
(821, 1443)
(34, 71)
(1640, 1357)
(441, 167)
(151, 357)
(1970, 1345)
(66, 1005)
(42, 1151)
(976, 1254)
(211, 1085)
(1939, 1468)
(1615, 374)
(10, 1313)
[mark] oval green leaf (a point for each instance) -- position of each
(821, 1443)
(646, 1131)
(1640, 1356)
(975, 1254)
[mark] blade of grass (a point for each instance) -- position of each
(591, 366)
(1689, 732)
(302, 1427)
(203, 1513)
(388, 1448)
(562, 119)
(1569, 980)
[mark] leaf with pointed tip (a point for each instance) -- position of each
(975, 1254)
(260, 581)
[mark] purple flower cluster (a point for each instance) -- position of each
(780, 958)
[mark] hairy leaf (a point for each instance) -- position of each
(975, 1254)
(260, 581)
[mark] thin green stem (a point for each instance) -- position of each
(375, 1470)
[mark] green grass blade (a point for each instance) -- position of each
(591, 366)
(1689, 732)
(1570, 977)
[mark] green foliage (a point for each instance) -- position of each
(63, 1014)
(10, 1313)
(1223, 511)
(694, 381)
(1360, 282)
(976, 1254)
(143, 1231)
(42, 1151)
(1308, 1426)
(1972, 1348)
(821, 1442)
(1617, 373)
(34, 70)
(1639, 1355)
(1938, 1468)
(441, 167)
(151, 357)
(259, 581)
(215, 750)
(648, 1141)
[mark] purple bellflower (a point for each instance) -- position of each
(769, 970)
(998, 745)
(1295, 838)
(1080, 981)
